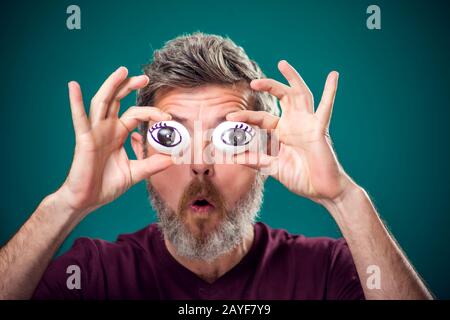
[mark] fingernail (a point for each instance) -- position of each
(147, 79)
(121, 68)
(71, 83)
(336, 79)
(166, 115)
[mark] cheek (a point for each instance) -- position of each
(234, 181)
(170, 184)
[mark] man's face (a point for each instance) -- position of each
(202, 198)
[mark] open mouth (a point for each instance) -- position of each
(202, 205)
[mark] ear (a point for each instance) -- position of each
(137, 144)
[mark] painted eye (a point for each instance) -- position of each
(233, 137)
(236, 136)
(168, 137)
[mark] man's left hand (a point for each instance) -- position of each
(306, 163)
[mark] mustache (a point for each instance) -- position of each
(204, 188)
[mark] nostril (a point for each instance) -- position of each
(205, 172)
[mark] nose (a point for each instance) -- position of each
(201, 170)
(202, 163)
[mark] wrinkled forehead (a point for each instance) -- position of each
(208, 104)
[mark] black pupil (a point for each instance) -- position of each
(237, 137)
(166, 136)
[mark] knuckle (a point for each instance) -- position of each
(117, 99)
(152, 109)
(131, 110)
(304, 98)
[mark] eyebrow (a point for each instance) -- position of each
(177, 118)
(184, 119)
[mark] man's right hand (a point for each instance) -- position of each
(101, 170)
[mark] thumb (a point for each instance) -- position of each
(143, 169)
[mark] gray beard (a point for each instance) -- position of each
(236, 225)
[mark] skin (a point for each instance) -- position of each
(306, 164)
(209, 106)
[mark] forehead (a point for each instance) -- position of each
(207, 103)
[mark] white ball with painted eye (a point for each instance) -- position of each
(169, 137)
(233, 137)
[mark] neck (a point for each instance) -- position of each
(211, 271)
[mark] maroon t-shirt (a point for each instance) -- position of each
(278, 265)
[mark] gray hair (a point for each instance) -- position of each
(231, 232)
(193, 60)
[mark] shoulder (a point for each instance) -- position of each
(96, 256)
(138, 242)
(283, 240)
(97, 261)
(310, 254)
(326, 260)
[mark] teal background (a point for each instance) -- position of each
(389, 127)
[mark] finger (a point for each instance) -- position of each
(101, 100)
(271, 86)
(130, 84)
(134, 115)
(79, 117)
(325, 107)
(258, 161)
(262, 119)
(293, 77)
(303, 97)
(143, 169)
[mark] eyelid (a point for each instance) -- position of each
(227, 126)
(157, 125)
(182, 145)
(245, 127)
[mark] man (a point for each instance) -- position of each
(206, 244)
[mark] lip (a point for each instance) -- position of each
(202, 210)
